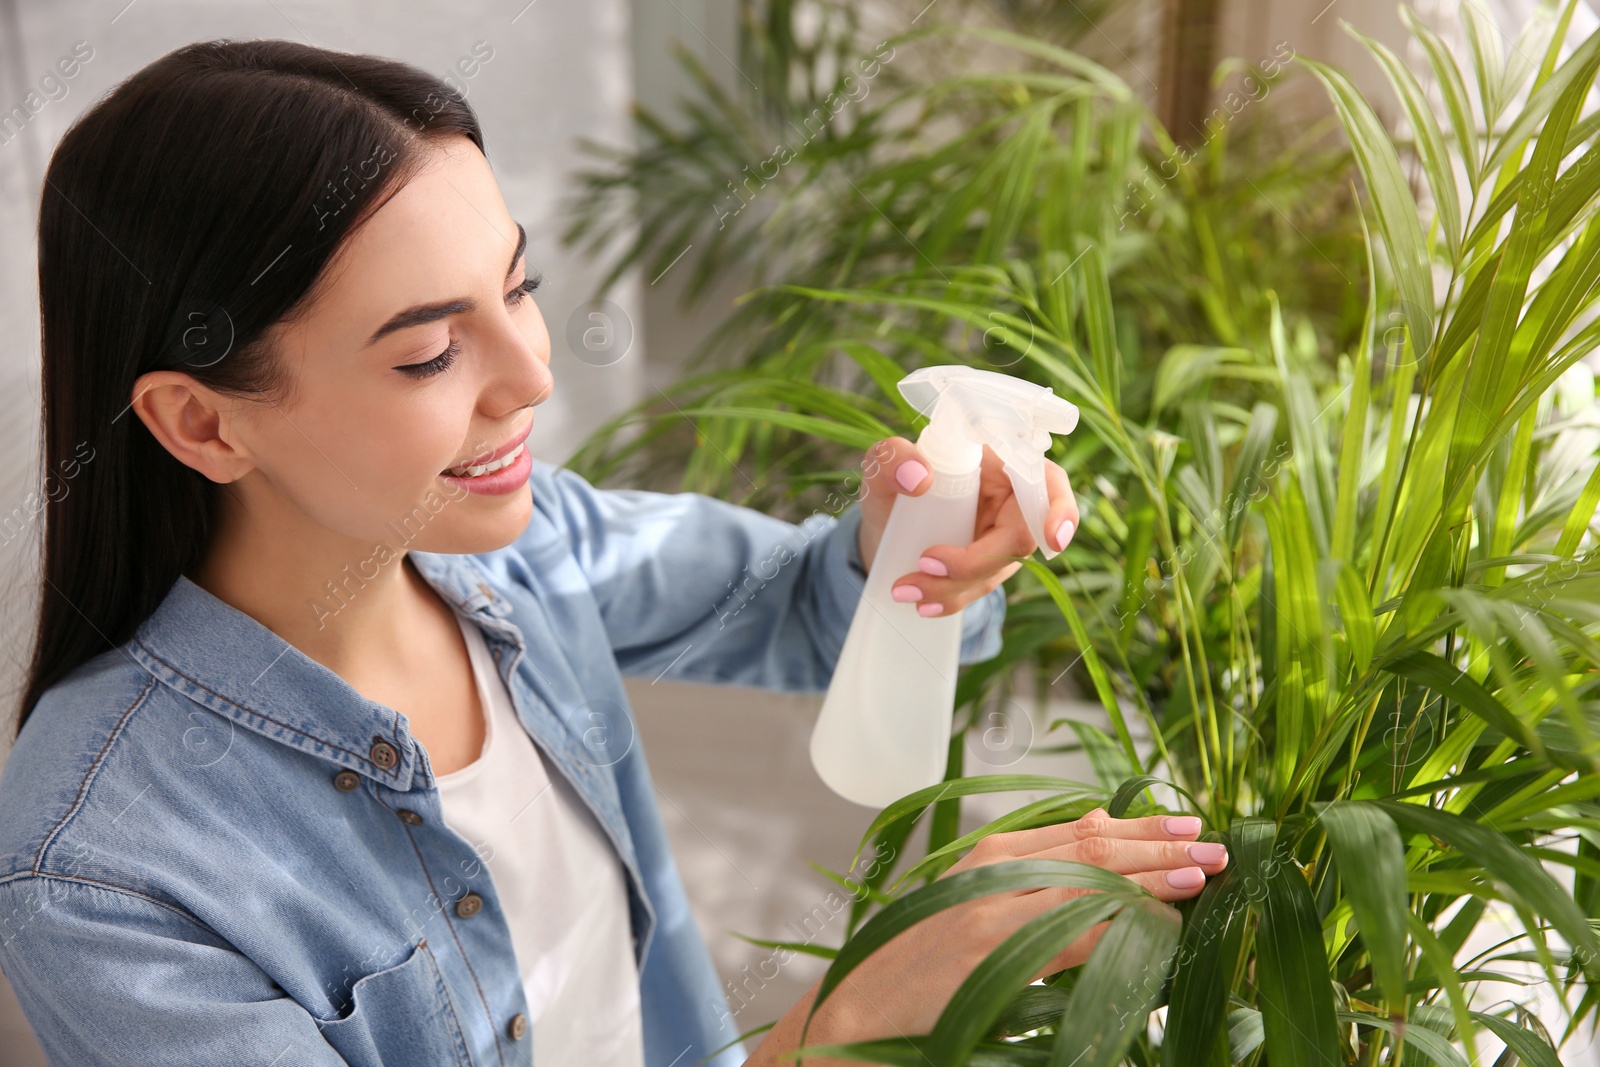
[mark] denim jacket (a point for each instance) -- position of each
(215, 851)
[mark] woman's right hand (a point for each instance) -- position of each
(901, 989)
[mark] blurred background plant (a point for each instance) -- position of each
(985, 146)
(1336, 555)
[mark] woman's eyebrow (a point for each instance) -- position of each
(421, 314)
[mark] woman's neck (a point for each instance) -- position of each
(357, 608)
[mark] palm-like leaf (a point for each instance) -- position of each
(1338, 557)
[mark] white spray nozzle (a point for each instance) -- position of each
(968, 408)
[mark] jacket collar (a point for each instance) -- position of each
(215, 654)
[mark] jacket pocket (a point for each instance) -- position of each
(400, 1017)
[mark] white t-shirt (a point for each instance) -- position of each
(559, 882)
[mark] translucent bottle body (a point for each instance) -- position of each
(884, 728)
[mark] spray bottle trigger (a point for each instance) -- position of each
(1033, 500)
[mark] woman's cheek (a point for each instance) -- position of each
(381, 453)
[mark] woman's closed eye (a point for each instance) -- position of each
(515, 296)
(446, 359)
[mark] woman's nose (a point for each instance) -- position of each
(520, 372)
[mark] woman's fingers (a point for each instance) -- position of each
(1061, 521)
(1063, 504)
(942, 596)
(1009, 536)
(1125, 846)
(954, 576)
(1158, 853)
(1172, 865)
(1022, 909)
(1123, 856)
(1096, 823)
(892, 466)
(1178, 884)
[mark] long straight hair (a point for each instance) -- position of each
(182, 216)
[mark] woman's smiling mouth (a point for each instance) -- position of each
(503, 456)
(490, 467)
(502, 471)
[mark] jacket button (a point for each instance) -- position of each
(409, 817)
(383, 754)
(518, 1027)
(345, 781)
(469, 905)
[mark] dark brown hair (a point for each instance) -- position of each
(182, 216)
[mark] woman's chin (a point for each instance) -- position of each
(466, 534)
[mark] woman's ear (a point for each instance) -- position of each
(196, 424)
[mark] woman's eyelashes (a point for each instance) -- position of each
(444, 360)
(437, 364)
(515, 296)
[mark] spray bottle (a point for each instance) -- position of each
(884, 729)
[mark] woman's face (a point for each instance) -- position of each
(424, 353)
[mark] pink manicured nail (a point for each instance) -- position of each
(1186, 878)
(932, 566)
(930, 609)
(1181, 825)
(910, 474)
(1208, 852)
(906, 593)
(1064, 532)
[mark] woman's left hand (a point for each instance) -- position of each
(951, 577)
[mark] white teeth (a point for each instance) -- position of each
(489, 468)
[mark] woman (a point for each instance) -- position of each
(324, 756)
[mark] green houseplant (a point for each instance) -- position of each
(1347, 581)
(1382, 697)
(940, 146)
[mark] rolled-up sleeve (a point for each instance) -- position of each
(699, 589)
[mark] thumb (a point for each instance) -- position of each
(892, 466)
